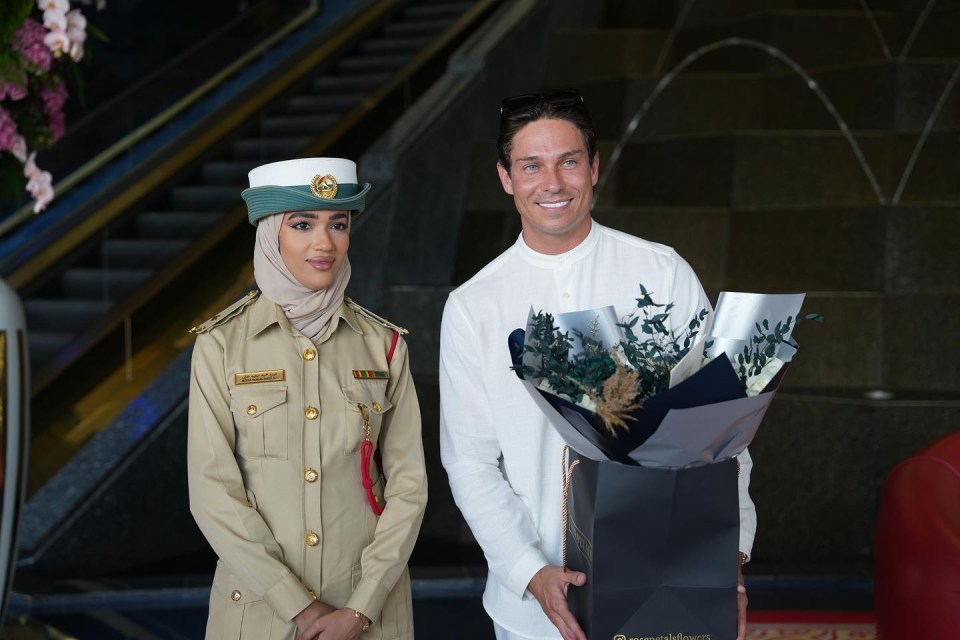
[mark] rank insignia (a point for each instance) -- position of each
(324, 186)
(369, 374)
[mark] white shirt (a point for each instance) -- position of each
(502, 457)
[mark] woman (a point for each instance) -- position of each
(291, 391)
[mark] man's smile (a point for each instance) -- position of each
(555, 205)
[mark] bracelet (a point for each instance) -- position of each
(362, 618)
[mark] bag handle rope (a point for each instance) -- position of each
(566, 473)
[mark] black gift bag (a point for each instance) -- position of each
(659, 548)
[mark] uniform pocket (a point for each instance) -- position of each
(371, 395)
(260, 415)
(236, 612)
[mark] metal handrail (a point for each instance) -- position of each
(127, 142)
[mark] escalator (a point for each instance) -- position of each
(110, 293)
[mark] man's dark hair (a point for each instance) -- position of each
(518, 111)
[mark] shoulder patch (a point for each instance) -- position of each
(370, 315)
(226, 314)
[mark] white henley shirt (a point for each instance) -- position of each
(502, 457)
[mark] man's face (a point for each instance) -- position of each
(551, 180)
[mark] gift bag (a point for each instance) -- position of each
(658, 546)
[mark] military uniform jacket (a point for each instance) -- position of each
(275, 429)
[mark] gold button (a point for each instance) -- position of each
(312, 594)
(310, 475)
(311, 413)
(312, 539)
(309, 354)
(252, 410)
(235, 595)
(376, 407)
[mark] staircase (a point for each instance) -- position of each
(68, 307)
(791, 147)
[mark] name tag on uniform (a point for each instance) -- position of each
(370, 374)
(253, 377)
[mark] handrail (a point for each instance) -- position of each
(113, 151)
(118, 203)
(214, 132)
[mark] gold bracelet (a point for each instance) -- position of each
(362, 618)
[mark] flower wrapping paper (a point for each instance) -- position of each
(706, 414)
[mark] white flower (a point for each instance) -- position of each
(39, 183)
(57, 41)
(76, 51)
(76, 20)
(55, 20)
(59, 5)
(19, 149)
(758, 382)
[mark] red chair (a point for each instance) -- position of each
(916, 553)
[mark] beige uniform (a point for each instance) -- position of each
(274, 466)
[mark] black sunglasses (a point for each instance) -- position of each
(562, 98)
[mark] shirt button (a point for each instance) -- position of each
(312, 594)
(376, 407)
(309, 354)
(235, 596)
(311, 413)
(252, 410)
(310, 475)
(312, 539)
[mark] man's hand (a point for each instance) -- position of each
(549, 586)
(741, 602)
(307, 618)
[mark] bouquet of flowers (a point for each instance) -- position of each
(40, 42)
(657, 534)
(633, 391)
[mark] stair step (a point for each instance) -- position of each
(176, 224)
(270, 149)
(102, 284)
(350, 82)
(227, 173)
(370, 64)
(333, 103)
(294, 124)
(138, 253)
(59, 315)
(393, 45)
(438, 10)
(204, 197)
(45, 345)
(415, 28)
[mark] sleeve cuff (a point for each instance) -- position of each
(523, 571)
(288, 597)
(368, 598)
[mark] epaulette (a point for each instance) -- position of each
(370, 315)
(226, 314)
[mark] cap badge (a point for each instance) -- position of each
(324, 186)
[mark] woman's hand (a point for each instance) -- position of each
(309, 616)
(337, 624)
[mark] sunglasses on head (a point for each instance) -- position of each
(562, 98)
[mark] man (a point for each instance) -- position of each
(501, 455)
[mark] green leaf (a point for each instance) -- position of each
(12, 15)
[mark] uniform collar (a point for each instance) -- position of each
(265, 312)
(552, 261)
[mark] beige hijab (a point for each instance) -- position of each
(307, 309)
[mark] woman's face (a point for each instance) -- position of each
(313, 245)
